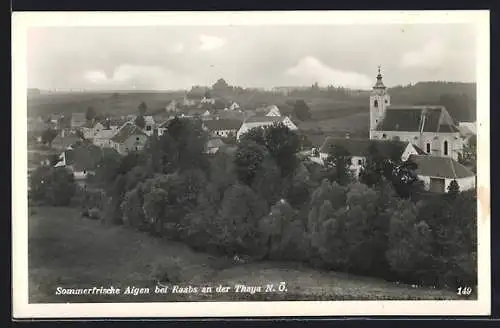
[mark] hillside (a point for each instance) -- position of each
(459, 99)
(68, 251)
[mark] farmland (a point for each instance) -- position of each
(71, 252)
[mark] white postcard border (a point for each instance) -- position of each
(22, 309)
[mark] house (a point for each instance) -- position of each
(81, 160)
(222, 127)
(233, 106)
(65, 139)
(263, 121)
(129, 138)
(193, 112)
(359, 150)
(150, 125)
(91, 128)
(430, 127)
(437, 172)
(163, 126)
(78, 120)
(213, 146)
(207, 100)
(171, 107)
(103, 138)
(273, 110)
(468, 127)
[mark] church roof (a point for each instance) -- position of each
(417, 118)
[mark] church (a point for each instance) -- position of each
(429, 127)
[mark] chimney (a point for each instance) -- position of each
(347, 135)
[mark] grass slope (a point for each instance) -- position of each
(68, 251)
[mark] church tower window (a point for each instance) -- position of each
(445, 146)
(428, 147)
(375, 103)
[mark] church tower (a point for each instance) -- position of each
(379, 101)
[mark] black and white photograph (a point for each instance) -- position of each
(205, 163)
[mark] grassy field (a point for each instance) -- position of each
(120, 104)
(71, 252)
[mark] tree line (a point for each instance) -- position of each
(262, 201)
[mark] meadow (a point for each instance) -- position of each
(71, 252)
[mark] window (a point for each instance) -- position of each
(428, 149)
(445, 146)
(384, 136)
(137, 138)
(386, 101)
(360, 162)
(375, 103)
(148, 128)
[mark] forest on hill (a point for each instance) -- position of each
(458, 98)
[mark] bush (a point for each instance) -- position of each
(52, 186)
(95, 214)
(133, 214)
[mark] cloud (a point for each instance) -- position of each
(97, 77)
(430, 56)
(310, 70)
(210, 42)
(177, 48)
(139, 76)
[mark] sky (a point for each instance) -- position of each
(176, 57)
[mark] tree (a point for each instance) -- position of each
(238, 220)
(339, 159)
(140, 122)
(143, 108)
(182, 147)
(453, 188)
(281, 142)
(468, 157)
(267, 181)
(410, 242)
(247, 160)
(220, 85)
(301, 110)
(372, 172)
(133, 213)
(53, 186)
(281, 233)
(403, 177)
(90, 114)
(155, 201)
(48, 136)
(79, 134)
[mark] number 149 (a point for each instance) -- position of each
(466, 291)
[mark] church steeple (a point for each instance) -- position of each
(379, 101)
(379, 84)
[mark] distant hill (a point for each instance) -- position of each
(458, 98)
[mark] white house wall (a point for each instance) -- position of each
(436, 141)
(463, 183)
